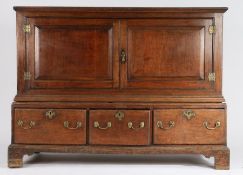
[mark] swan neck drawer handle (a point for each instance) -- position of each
(21, 124)
(97, 125)
(130, 125)
(66, 125)
(216, 125)
(160, 125)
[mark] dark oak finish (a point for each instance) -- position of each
(168, 54)
(190, 131)
(219, 152)
(64, 53)
(50, 131)
(85, 66)
(119, 133)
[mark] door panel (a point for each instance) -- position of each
(167, 54)
(84, 56)
(72, 53)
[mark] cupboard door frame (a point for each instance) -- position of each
(168, 83)
(109, 25)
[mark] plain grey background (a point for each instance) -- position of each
(76, 164)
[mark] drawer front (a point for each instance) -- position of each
(125, 127)
(43, 126)
(195, 126)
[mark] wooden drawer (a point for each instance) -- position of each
(125, 127)
(195, 126)
(43, 126)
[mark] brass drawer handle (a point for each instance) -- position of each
(189, 114)
(66, 125)
(21, 124)
(160, 125)
(50, 114)
(97, 125)
(130, 125)
(123, 56)
(216, 125)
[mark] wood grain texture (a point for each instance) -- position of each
(21, 54)
(190, 131)
(49, 131)
(84, 53)
(112, 98)
(116, 12)
(168, 54)
(119, 105)
(220, 152)
(71, 53)
(74, 57)
(119, 133)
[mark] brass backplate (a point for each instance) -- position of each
(189, 114)
(120, 115)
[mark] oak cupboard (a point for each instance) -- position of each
(119, 81)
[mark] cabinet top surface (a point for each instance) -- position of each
(123, 9)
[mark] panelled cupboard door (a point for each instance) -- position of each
(167, 54)
(72, 53)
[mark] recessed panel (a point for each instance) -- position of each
(167, 54)
(73, 53)
(171, 53)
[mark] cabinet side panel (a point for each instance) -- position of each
(20, 36)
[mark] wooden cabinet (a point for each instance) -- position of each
(119, 81)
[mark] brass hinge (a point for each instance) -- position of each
(212, 29)
(27, 76)
(211, 77)
(26, 28)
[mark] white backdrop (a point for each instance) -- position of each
(232, 90)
